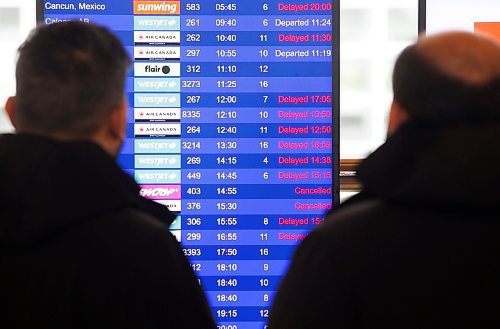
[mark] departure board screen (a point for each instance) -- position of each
(232, 124)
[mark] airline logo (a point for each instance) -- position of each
(156, 8)
(157, 146)
(157, 161)
(157, 37)
(157, 84)
(157, 114)
(173, 205)
(157, 23)
(161, 192)
(157, 53)
(491, 28)
(157, 100)
(176, 224)
(158, 177)
(157, 69)
(157, 130)
(177, 235)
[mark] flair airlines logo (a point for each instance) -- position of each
(156, 8)
(157, 37)
(157, 69)
(157, 53)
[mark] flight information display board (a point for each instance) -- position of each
(233, 124)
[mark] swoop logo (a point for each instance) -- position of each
(156, 8)
(161, 192)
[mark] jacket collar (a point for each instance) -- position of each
(48, 185)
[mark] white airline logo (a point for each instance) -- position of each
(157, 53)
(177, 234)
(157, 37)
(157, 69)
(172, 205)
(163, 129)
(157, 114)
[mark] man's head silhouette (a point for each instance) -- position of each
(448, 78)
(70, 85)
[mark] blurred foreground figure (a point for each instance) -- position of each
(79, 248)
(419, 247)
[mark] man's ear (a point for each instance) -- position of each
(118, 121)
(397, 116)
(10, 108)
(111, 134)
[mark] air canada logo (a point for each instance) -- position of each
(157, 114)
(159, 129)
(157, 37)
(157, 53)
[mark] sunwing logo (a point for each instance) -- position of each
(156, 8)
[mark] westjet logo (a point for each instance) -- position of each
(156, 22)
(158, 146)
(157, 84)
(156, 99)
(157, 161)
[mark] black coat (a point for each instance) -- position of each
(419, 247)
(79, 248)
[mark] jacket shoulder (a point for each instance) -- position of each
(355, 217)
(134, 260)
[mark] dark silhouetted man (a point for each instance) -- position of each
(79, 248)
(419, 247)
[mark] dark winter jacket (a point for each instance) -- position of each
(79, 248)
(419, 247)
